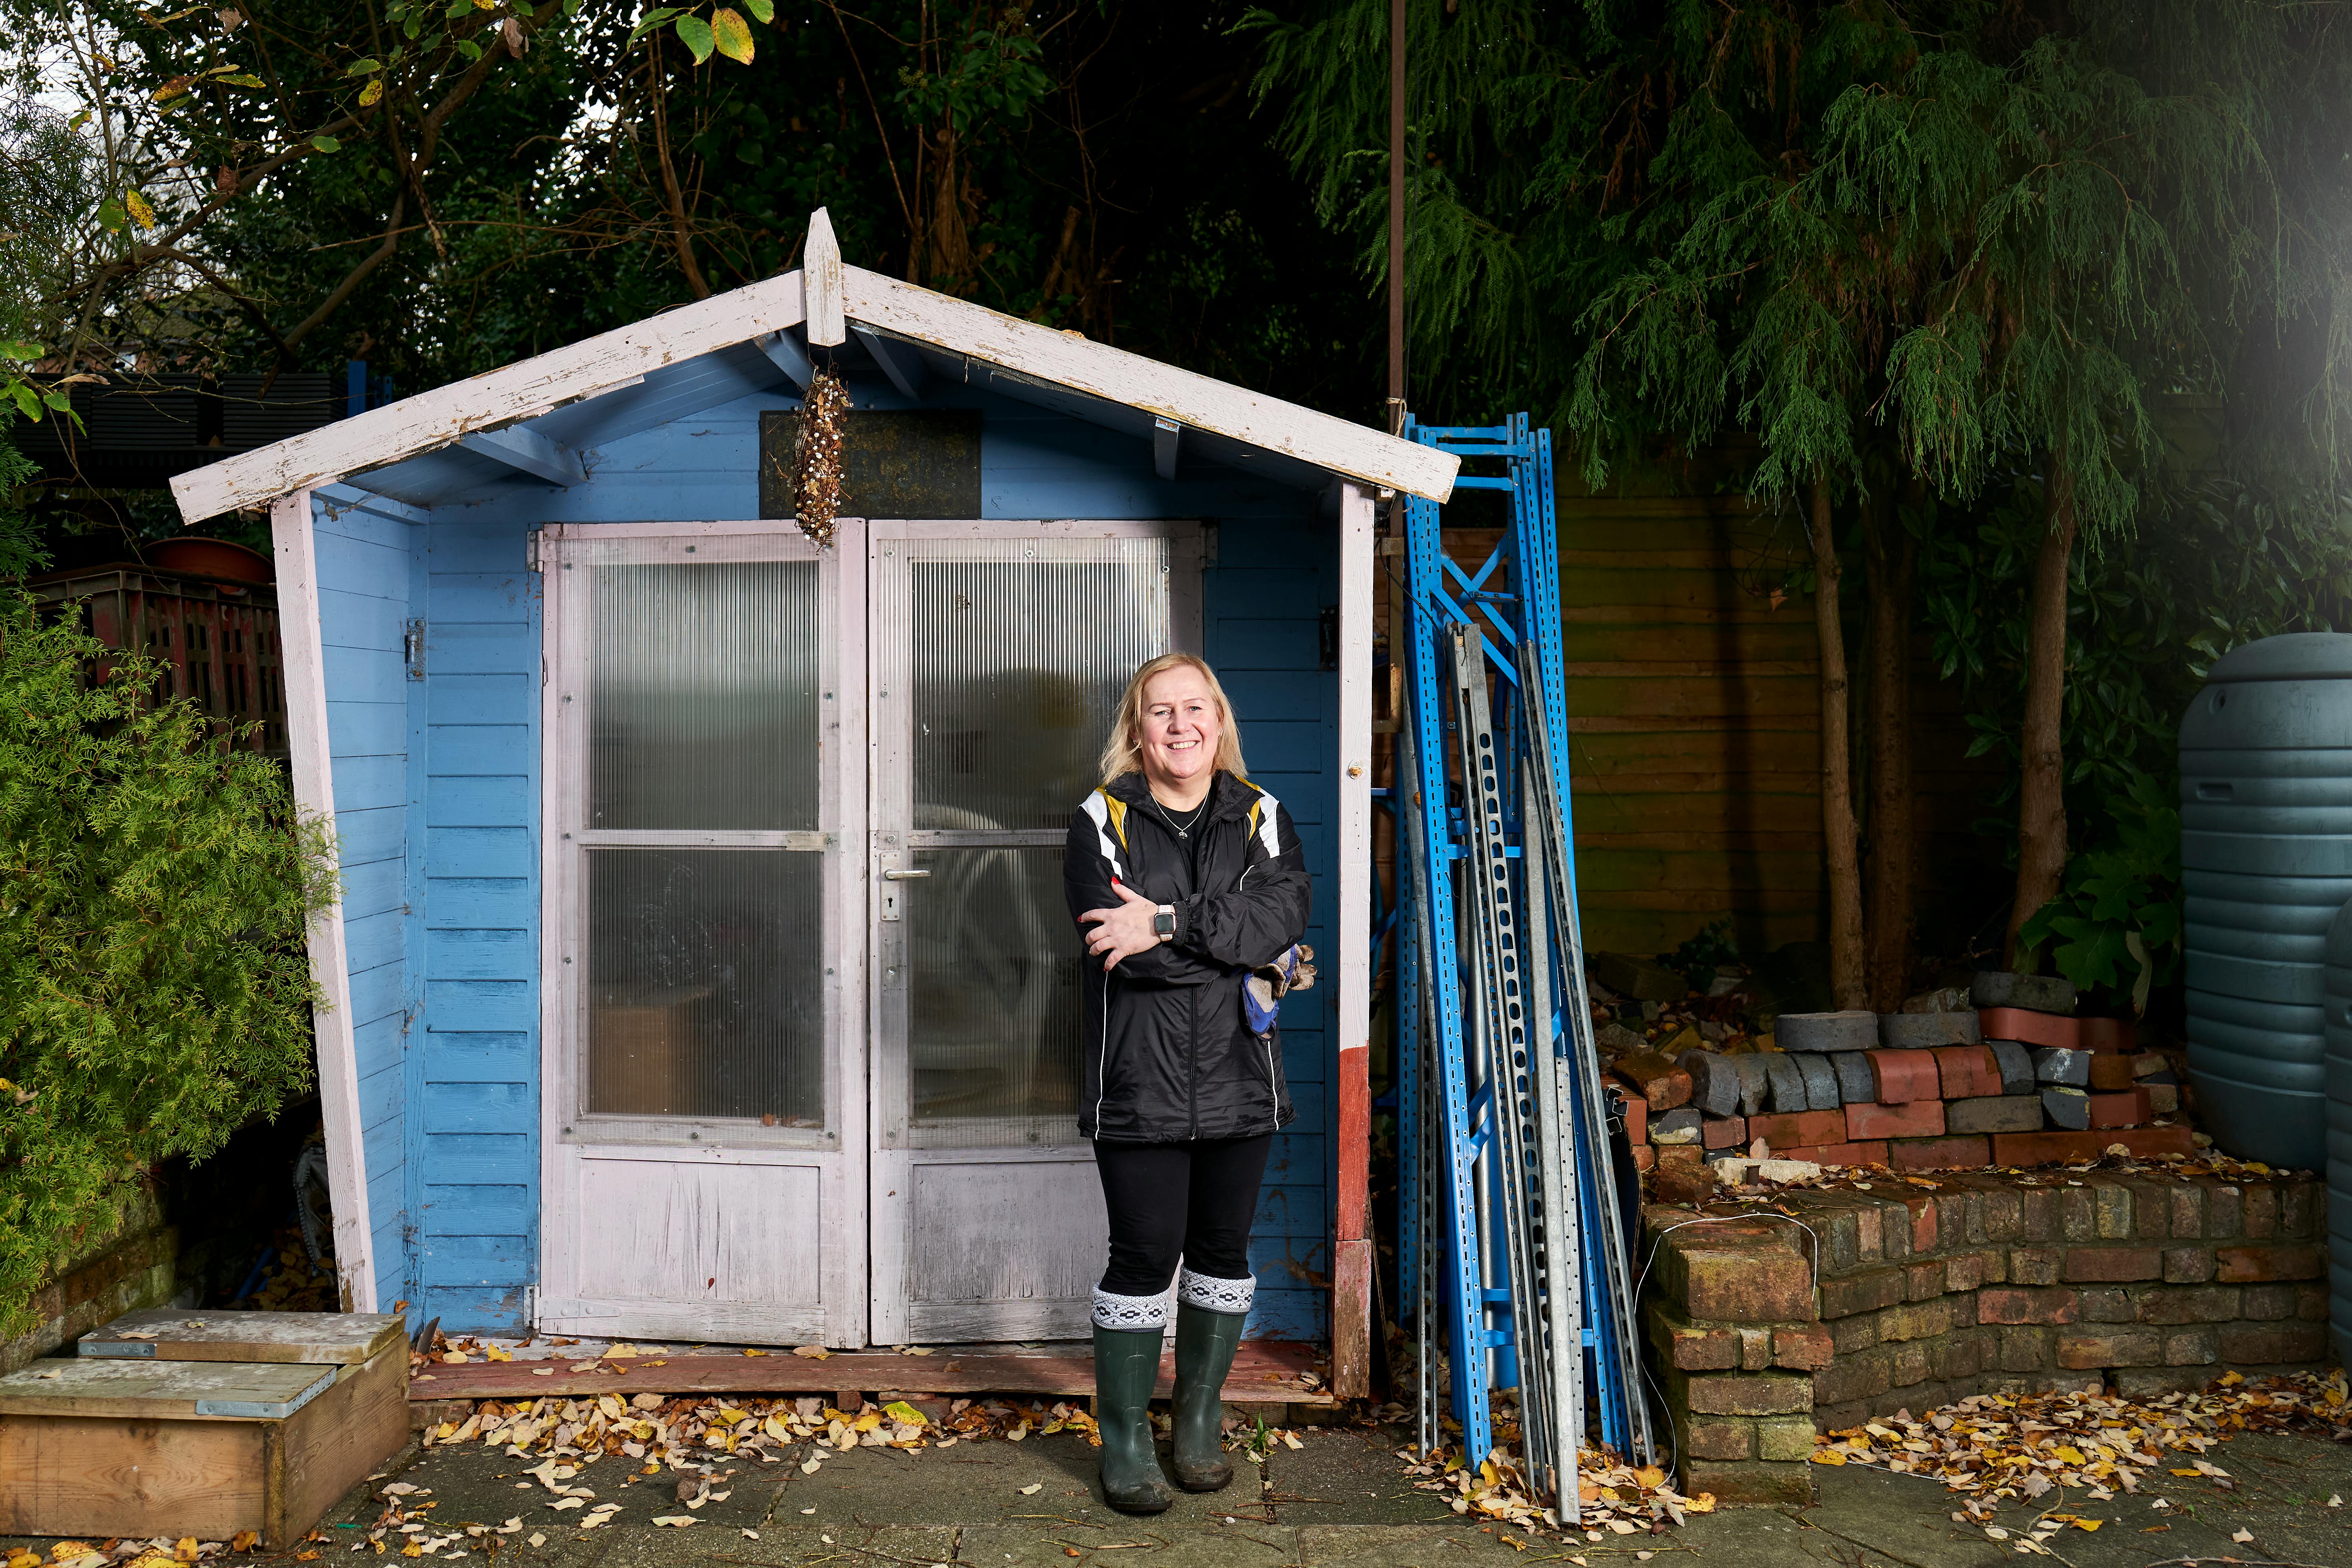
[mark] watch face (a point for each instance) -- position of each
(1163, 925)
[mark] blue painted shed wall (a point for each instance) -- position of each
(367, 571)
(471, 1112)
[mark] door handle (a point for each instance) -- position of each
(893, 874)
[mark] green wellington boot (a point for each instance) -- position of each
(1126, 1366)
(1204, 1354)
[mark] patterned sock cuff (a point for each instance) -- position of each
(1231, 1296)
(1130, 1314)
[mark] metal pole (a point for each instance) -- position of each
(1396, 217)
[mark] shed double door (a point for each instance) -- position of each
(810, 993)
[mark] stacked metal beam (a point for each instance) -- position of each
(1514, 1246)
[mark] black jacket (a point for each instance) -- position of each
(1167, 1053)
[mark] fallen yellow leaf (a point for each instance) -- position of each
(1651, 1477)
(244, 1541)
(495, 1353)
(2087, 1524)
(184, 1548)
(1828, 1457)
(755, 1353)
(906, 1415)
(2072, 1456)
(814, 1353)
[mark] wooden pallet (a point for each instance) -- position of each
(1268, 1372)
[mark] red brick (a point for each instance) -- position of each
(1682, 1185)
(2087, 1348)
(2103, 1034)
(2109, 1070)
(1967, 1072)
(1644, 1157)
(1805, 1346)
(1744, 1396)
(2066, 1148)
(1926, 1230)
(2259, 1265)
(1637, 1114)
(2129, 1109)
(1750, 1485)
(1919, 1118)
(1723, 1131)
(2013, 1304)
(1732, 1278)
(1872, 1152)
(1663, 1084)
(1935, 1153)
(2113, 1265)
(1693, 1347)
(1732, 1439)
(1904, 1076)
(1799, 1129)
(2257, 1344)
(2032, 1028)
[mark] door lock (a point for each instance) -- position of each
(891, 874)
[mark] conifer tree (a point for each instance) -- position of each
(1983, 237)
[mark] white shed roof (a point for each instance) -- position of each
(532, 417)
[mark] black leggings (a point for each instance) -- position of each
(1195, 1200)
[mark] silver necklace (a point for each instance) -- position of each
(1190, 821)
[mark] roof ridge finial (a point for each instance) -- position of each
(821, 284)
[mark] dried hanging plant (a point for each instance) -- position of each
(816, 456)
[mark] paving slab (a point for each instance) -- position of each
(1240, 1545)
(1346, 1475)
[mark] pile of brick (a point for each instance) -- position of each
(2002, 1073)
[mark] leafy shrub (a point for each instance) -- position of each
(2117, 924)
(154, 887)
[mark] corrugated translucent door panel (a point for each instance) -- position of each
(1000, 653)
(705, 995)
(703, 1036)
(1014, 652)
(702, 696)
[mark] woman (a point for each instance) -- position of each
(1183, 877)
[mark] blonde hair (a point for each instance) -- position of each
(1122, 754)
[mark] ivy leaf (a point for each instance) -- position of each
(765, 10)
(731, 34)
(325, 143)
(695, 34)
(372, 93)
(467, 47)
(651, 19)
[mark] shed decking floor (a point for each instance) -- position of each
(1265, 1372)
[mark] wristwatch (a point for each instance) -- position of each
(1163, 923)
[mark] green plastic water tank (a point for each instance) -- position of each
(2266, 862)
(2339, 1131)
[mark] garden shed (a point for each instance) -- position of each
(701, 969)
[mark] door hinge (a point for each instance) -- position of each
(530, 1307)
(412, 647)
(560, 1307)
(531, 549)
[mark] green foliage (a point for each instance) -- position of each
(1698, 959)
(21, 548)
(2118, 925)
(154, 991)
(2215, 564)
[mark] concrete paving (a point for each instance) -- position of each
(1338, 1500)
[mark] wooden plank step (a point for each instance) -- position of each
(1265, 1372)
(172, 1390)
(170, 1334)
